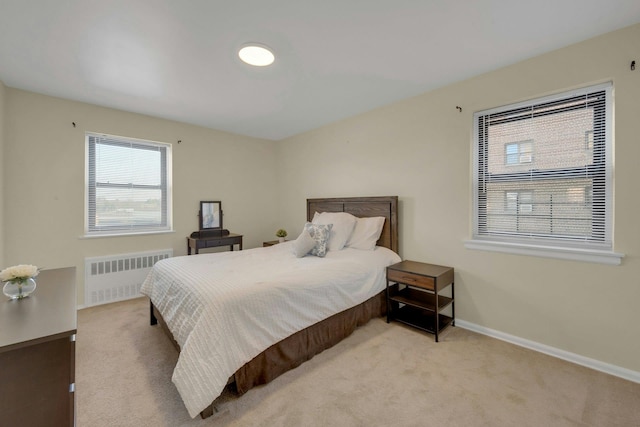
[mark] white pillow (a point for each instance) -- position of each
(343, 225)
(366, 233)
(303, 244)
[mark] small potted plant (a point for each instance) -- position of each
(281, 234)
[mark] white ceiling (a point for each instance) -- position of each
(334, 58)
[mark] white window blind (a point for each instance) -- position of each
(128, 185)
(560, 194)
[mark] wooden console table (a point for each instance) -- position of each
(37, 353)
(197, 243)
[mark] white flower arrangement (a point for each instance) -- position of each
(19, 273)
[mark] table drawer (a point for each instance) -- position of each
(410, 279)
(216, 242)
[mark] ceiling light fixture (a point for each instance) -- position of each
(256, 54)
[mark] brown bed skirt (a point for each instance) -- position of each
(303, 345)
(297, 348)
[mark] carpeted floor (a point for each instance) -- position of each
(383, 374)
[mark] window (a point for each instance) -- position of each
(588, 140)
(562, 197)
(128, 185)
(519, 202)
(517, 153)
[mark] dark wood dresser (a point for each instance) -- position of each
(37, 353)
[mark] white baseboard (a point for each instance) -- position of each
(607, 368)
(83, 306)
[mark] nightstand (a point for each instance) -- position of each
(271, 243)
(413, 295)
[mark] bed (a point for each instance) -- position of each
(287, 324)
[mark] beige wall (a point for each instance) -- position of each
(44, 172)
(420, 149)
(2, 171)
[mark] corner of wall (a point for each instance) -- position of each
(2, 168)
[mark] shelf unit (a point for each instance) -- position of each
(414, 295)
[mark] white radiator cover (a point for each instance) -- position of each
(118, 277)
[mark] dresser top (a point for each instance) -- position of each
(47, 313)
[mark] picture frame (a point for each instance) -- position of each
(210, 215)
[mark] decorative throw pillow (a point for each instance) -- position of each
(303, 244)
(343, 224)
(320, 233)
(366, 233)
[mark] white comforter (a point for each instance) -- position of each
(225, 308)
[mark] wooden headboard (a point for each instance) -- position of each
(362, 207)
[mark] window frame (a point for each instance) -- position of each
(166, 221)
(600, 251)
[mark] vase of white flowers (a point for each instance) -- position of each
(19, 280)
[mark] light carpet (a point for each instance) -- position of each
(383, 374)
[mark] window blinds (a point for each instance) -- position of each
(543, 170)
(128, 187)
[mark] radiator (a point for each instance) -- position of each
(118, 277)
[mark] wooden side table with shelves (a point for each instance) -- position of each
(414, 295)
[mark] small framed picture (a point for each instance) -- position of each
(211, 215)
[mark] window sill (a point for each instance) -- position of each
(573, 254)
(137, 233)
